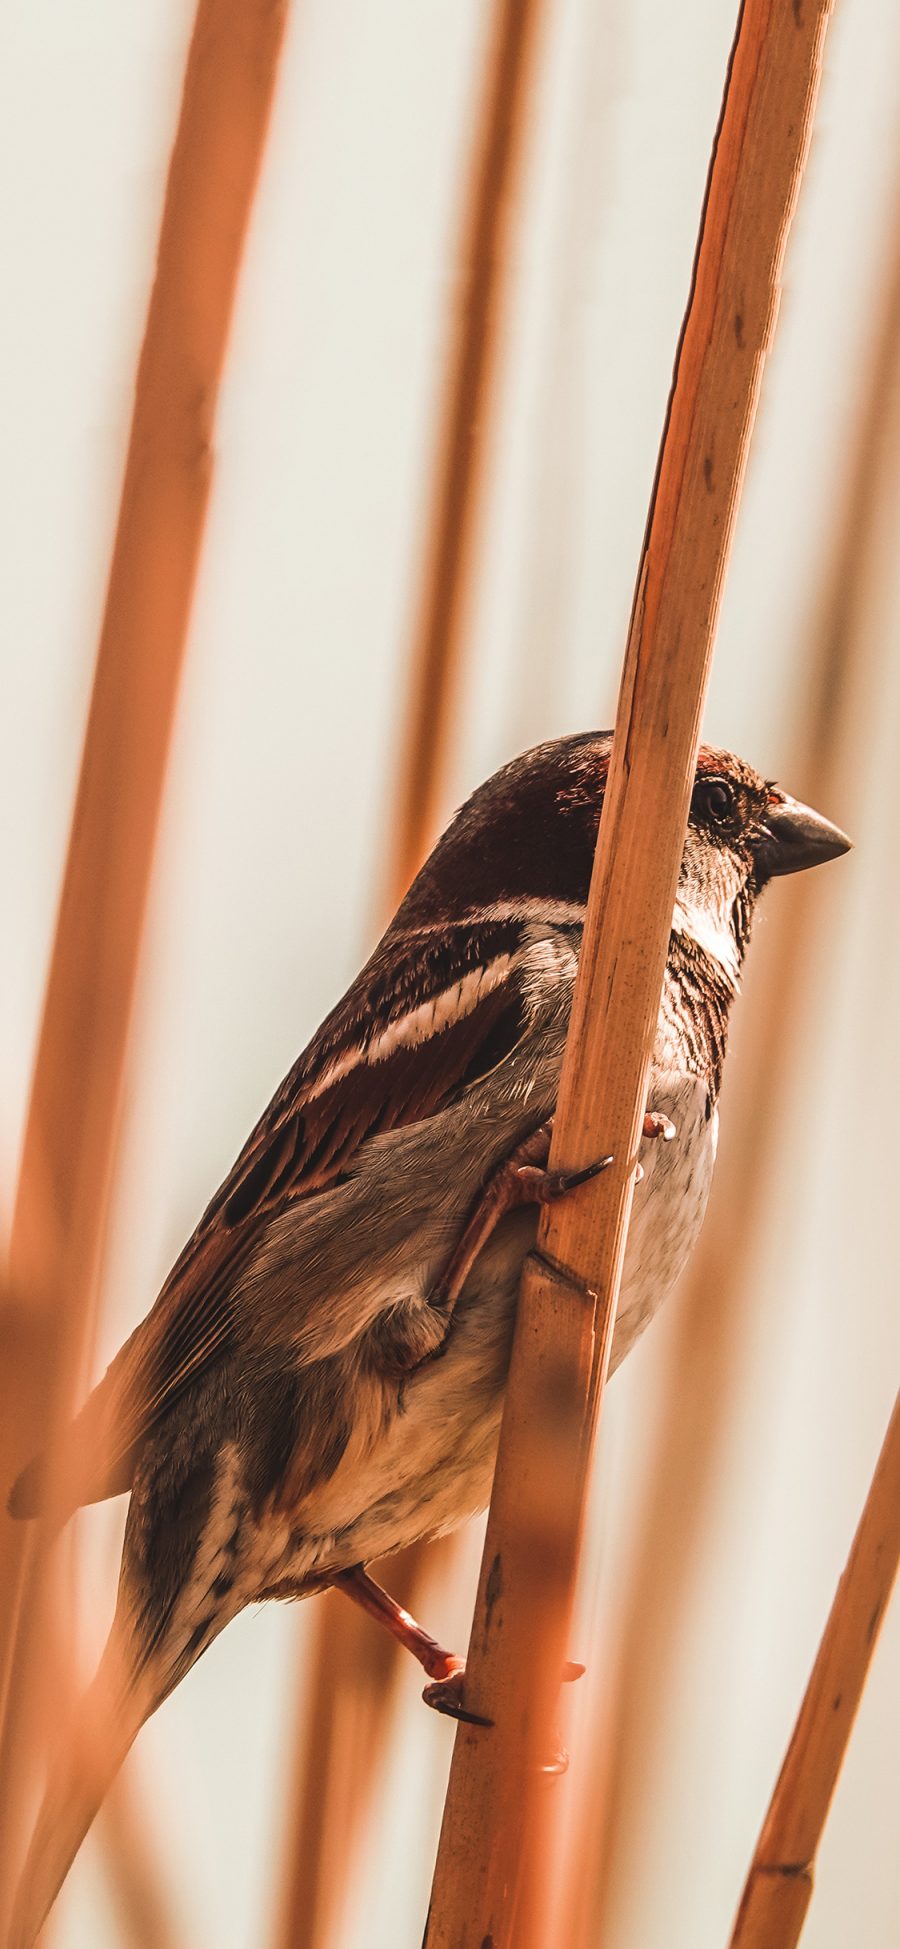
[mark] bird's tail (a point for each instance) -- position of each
(107, 1721)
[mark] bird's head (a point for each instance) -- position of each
(524, 844)
(743, 830)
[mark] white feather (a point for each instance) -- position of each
(420, 1023)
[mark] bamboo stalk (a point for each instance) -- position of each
(567, 1306)
(341, 1736)
(780, 1883)
(63, 1192)
(838, 692)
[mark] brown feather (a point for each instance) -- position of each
(304, 1144)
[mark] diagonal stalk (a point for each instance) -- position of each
(495, 1807)
(63, 1193)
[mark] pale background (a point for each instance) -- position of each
(267, 884)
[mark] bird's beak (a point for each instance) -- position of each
(794, 837)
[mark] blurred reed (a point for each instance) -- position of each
(464, 433)
(342, 1733)
(344, 1713)
(70, 1136)
(839, 683)
(138, 1885)
(780, 1883)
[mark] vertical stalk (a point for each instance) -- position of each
(569, 1292)
(463, 441)
(837, 693)
(352, 1684)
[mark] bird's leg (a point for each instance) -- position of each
(441, 1665)
(522, 1179)
(447, 1671)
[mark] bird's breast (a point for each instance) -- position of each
(669, 1202)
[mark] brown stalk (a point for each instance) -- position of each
(143, 1901)
(780, 1882)
(463, 441)
(342, 1728)
(836, 698)
(69, 1146)
(341, 1735)
(567, 1306)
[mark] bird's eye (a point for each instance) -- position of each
(714, 800)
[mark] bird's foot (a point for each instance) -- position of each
(536, 1185)
(656, 1125)
(522, 1179)
(447, 1695)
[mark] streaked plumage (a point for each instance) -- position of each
(278, 1416)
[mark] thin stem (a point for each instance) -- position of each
(70, 1134)
(463, 444)
(353, 1677)
(839, 690)
(780, 1883)
(567, 1306)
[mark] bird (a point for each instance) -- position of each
(321, 1378)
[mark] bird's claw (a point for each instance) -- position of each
(446, 1695)
(656, 1125)
(545, 1187)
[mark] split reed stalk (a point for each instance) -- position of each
(341, 1736)
(838, 692)
(780, 1883)
(63, 1193)
(567, 1306)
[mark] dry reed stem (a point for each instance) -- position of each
(342, 1728)
(69, 1143)
(780, 1882)
(837, 692)
(341, 1735)
(567, 1307)
(463, 437)
(142, 1899)
(144, 1903)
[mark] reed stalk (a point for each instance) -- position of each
(838, 691)
(343, 1723)
(63, 1193)
(352, 1682)
(567, 1306)
(780, 1883)
(464, 435)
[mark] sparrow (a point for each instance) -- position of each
(320, 1380)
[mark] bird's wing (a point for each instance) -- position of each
(431, 1012)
